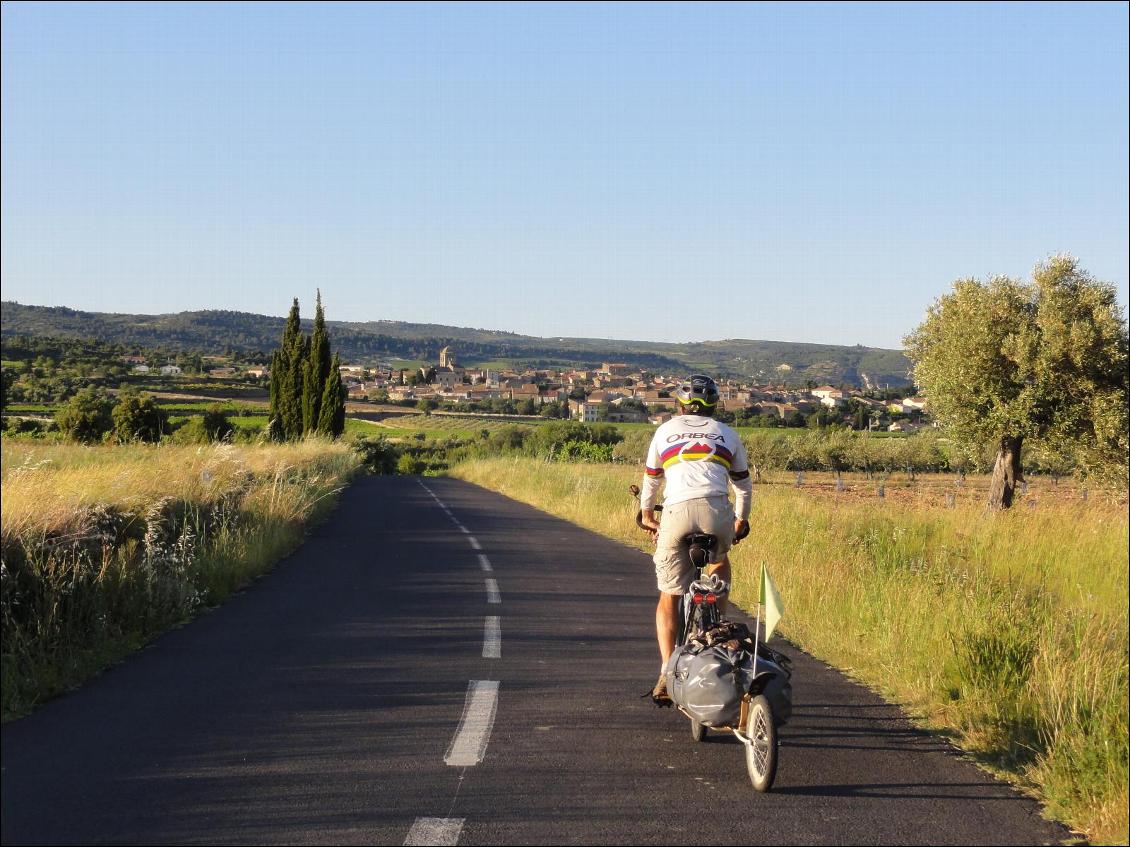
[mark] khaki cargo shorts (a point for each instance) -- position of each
(713, 515)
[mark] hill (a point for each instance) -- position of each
(371, 341)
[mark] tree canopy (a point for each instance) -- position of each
(137, 417)
(1004, 361)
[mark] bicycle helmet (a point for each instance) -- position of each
(698, 393)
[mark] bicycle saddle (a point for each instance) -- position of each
(699, 546)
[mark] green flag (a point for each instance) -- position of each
(774, 608)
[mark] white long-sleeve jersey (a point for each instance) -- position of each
(698, 457)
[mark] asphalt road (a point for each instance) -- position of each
(361, 693)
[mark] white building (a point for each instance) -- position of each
(583, 411)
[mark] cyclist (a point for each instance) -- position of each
(700, 459)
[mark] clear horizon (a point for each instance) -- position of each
(814, 173)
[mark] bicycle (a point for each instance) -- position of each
(758, 720)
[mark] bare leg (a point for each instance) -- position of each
(667, 624)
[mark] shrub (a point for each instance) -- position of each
(507, 438)
(583, 451)
(409, 464)
(86, 416)
(137, 417)
(217, 427)
(213, 425)
(378, 455)
(547, 440)
(633, 448)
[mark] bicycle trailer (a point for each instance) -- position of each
(712, 677)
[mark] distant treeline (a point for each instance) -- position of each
(221, 331)
(53, 369)
(839, 451)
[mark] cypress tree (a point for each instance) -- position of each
(310, 391)
(317, 371)
(277, 370)
(290, 379)
(331, 421)
(293, 328)
(306, 391)
(339, 405)
(296, 364)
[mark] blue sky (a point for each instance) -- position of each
(801, 172)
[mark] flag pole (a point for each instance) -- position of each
(757, 625)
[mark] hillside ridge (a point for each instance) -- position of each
(374, 340)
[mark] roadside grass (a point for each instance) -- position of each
(1006, 632)
(106, 547)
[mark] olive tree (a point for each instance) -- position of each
(1005, 361)
(766, 451)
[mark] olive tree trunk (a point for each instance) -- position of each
(1006, 473)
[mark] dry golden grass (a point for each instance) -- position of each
(105, 547)
(47, 487)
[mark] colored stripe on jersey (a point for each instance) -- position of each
(696, 451)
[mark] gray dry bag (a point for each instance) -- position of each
(710, 681)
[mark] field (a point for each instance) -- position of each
(1005, 632)
(471, 426)
(105, 547)
(925, 489)
(446, 426)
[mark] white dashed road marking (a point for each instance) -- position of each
(492, 638)
(470, 743)
(435, 831)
